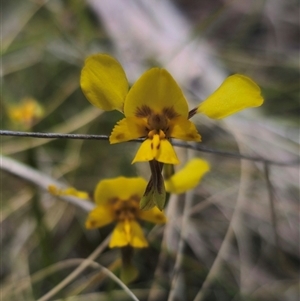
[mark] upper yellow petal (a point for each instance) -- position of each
(157, 90)
(188, 177)
(148, 151)
(99, 217)
(103, 82)
(236, 93)
(153, 215)
(184, 129)
(127, 129)
(128, 233)
(121, 188)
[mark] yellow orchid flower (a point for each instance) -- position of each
(26, 112)
(117, 200)
(155, 107)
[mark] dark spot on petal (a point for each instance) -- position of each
(93, 223)
(151, 145)
(170, 113)
(120, 136)
(158, 146)
(143, 111)
(135, 198)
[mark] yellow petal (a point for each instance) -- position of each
(127, 129)
(77, 193)
(99, 217)
(153, 215)
(103, 82)
(119, 238)
(236, 93)
(68, 191)
(137, 239)
(181, 128)
(121, 188)
(144, 152)
(188, 177)
(157, 90)
(128, 233)
(164, 154)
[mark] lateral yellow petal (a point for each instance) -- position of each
(127, 129)
(121, 188)
(188, 177)
(184, 129)
(236, 93)
(103, 82)
(99, 217)
(157, 90)
(153, 215)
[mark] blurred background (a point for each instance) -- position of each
(236, 236)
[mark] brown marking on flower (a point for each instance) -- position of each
(113, 201)
(192, 113)
(92, 223)
(120, 136)
(143, 111)
(151, 145)
(126, 209)
(170, 113)
(157, 122)
(159, 217)
(135, 198)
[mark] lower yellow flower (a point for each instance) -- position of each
(117, 200)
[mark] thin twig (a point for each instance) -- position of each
(197, 147)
